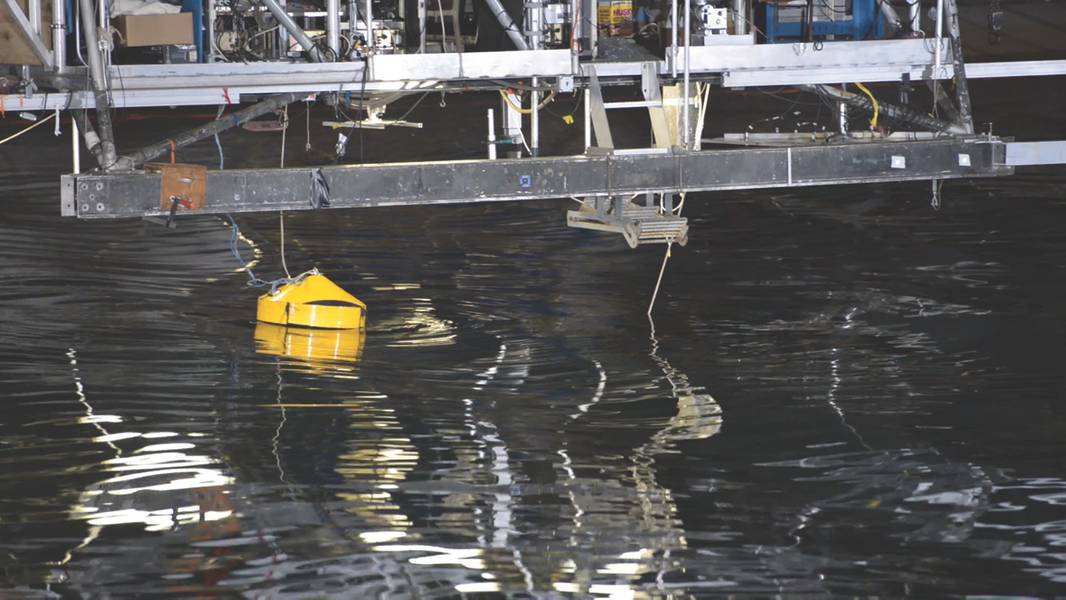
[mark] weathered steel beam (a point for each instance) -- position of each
(137, 194)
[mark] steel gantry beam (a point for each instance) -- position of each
(137, 193)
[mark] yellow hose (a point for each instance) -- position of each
(873, 121)
(526, 111)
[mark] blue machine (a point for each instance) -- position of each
(864, 22)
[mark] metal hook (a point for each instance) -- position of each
(443, 104)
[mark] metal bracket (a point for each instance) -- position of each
(637, 224)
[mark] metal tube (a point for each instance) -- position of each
(534, 121)
(422, 26)
(59, 35)
(914, 13)
(939, 35)
(212, 48)
(104, 26)
(492, 134)
(34, 13)
(98, 79)
(673, 38)
(892, 20)
(294, 30)
(202, 132)
(686, 116)
(740, 17)
(333, 27)
(507, 23)
(369, 16)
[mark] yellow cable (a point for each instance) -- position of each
(526, 111)
(873, 121)
(15, 135)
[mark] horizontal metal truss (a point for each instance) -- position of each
(137, 194)
(738, 66)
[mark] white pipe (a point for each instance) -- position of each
(75, 145)
(915, 15)
(687, 108)
(492, 135)
(588, 121)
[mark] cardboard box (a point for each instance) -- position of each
(155, 30)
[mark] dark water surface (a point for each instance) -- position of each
(845, 392)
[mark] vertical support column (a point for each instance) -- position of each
(492, 135)
(512, 126)
(333, 27)
(534, 120)
(686, 116)
(962, 88)
(59, 35)
(422, 26)
(914, 14)
(939, 37)
(740, 17)
(673, 38)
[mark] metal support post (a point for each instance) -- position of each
(333, 27)
(98, 80)
(293, 29)
(962, 88)
(939, 37)
(369, 19)
(673, 38)
(421, 26)
(740, 17)
(534, 121)
(842, 115)
(914, 14)
(34, 14)
(686, 116)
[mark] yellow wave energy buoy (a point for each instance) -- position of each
(312, 300)
(316, 348)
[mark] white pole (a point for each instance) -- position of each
(492, 135)
(588, 122)
(75, 145)
(333, 27)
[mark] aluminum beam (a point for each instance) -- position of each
(1036, 153)
(136, 194)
